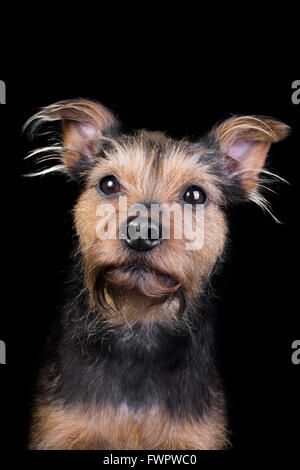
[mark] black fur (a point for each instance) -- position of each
(89, 362)
(172, 367)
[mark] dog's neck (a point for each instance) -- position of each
(138, 365)
(138, 314)
(143, 321)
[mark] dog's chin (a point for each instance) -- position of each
(136, 285)
(141, 280)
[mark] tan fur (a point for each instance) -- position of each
(262, 132)
(58, 428)
(132, 166)
(83, 123)
(252, 128)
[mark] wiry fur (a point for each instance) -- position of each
(131, 363)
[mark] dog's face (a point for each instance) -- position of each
(149, 170)
(151, 218)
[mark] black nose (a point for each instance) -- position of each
(141, 234)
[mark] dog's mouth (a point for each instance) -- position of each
(142, 279)
(132, 281)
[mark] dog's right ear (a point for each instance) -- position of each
(84, 123)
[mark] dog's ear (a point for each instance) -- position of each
(244, 143)
(84, 122)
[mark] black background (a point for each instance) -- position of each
(258, 314)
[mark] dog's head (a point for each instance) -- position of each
(151, 217)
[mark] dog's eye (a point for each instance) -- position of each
(110, 185)
(194, 195)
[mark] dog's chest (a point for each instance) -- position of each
(122, 428)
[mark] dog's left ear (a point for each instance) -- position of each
(244, 143)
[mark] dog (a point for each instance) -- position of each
(131, 362)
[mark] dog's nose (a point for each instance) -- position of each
(141, 234)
